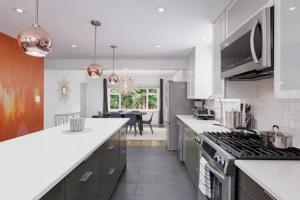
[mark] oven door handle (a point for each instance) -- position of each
(252, 48)
(219, 175)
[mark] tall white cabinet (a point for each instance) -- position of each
(199, 72)
(219, 35)
(287, 48)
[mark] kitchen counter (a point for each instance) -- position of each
(200, 126)
(31, 165)
(279, 178)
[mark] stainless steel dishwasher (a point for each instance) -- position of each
(192, 159)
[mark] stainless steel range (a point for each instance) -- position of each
(220, 149)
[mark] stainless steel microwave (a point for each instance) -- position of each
(248, 53)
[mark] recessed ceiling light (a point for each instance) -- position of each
(161, 9)
(292, 8)
(203, 37)
(157, 46)
(73, 45)
(19, 10)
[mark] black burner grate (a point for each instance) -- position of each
(250, 147)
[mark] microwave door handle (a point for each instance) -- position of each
(253, 53)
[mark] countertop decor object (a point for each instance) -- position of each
(113, 78)
(94, 70)
(34, 40)
(77, 124)
(64, 90)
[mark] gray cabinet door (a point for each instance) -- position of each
(81, 183)
(123, 149)
(192, 156)
(110, 170)
(56, 193)
(250, 190)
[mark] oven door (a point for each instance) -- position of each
(222, 187)
(249, 48)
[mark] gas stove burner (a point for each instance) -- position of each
(250, 147)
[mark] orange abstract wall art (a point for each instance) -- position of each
(21, 90)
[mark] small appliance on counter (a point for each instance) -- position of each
(203, 113)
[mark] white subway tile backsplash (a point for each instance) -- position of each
(294, 106)
(268, 111)
(292, 124)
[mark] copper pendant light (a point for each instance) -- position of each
(94, 70)
(34, 40)
(113, 78)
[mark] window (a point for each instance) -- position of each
(140, 99)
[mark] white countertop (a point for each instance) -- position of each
(200, 126)
(31, 165)
(279, 178)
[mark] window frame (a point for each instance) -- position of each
(139, 87)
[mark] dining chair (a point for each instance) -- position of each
(149, 122)
(115, 115)
(132, 122)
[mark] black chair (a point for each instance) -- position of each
(149, 122)
(132, 122)
(115, 115)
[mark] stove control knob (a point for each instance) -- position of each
(221, 162)
(217, 158)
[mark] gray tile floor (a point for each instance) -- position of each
(154, 174)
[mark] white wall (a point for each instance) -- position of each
(52, 104)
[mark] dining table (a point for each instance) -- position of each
(138, 114)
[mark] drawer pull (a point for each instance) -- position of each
(86, 176)
(111, 147)
(111, 171)
(271, 196)
(124, 151)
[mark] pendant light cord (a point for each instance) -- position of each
(37, 12)
(95, 45)
(113, 60)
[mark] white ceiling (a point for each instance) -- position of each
(134, 25)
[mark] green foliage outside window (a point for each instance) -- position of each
(114, 101)
(136, 100)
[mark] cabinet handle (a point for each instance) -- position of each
(111, 147)
(123, 152)
(271, 196)
(111, 171)
(86, 176)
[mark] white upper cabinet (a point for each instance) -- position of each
(287, 48)
(199, 72)
(239, 11)
(219, 34)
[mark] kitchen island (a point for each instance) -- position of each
(59, 164)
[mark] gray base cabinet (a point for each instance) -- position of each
(250, 190)
(97, 176)
(192, 157)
